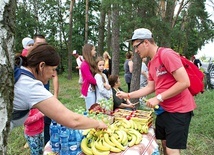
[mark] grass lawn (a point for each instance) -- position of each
(201, 135)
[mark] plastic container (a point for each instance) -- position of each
(72, 143)
(54, 137)
(79, 136)
(64, 135)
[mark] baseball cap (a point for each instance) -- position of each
(74, 52)
(27, 41)
(141, 33)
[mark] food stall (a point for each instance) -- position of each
(129, 132)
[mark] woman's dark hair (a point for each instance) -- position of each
(129, 54)
(112, 80)
(40, 53)
(89, 58)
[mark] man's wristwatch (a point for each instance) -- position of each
(159, 97)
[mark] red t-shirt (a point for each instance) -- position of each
(161, 75)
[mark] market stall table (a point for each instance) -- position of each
(148, 146)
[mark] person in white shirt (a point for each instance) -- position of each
(103, 89)
(79, 59)
(30, 92)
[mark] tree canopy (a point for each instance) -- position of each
(183, 25)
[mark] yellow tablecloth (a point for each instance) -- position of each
(147, 146)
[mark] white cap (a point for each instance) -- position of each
(141, 33)
(27, 41)
(74, 52)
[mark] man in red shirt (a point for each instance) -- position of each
(170, 83)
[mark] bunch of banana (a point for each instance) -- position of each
(102, 145)
(116, 138)
(144, 129)
(85, 147)
(122, 123)
(143, 120)
(130, 134)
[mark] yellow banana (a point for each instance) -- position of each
(126, 123)
(133, 140)
(137, 134)
(85, 148)
(117, 143)
(121, 127)
(135, 125)
(107, 139)
(116, 136)
(129, 137)
(99, 145)
(125, 142)
(96, 151)
(120, 135)
(125, 137)
(112, 148)
(139, 126)
(145, 128)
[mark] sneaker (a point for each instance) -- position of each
(26, 145)
(81, 96)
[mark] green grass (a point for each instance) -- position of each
(201, 135)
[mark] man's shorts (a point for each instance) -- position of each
(174, 128)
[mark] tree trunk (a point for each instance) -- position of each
(86, 21)
(167, 16)
(7, 24)
(137, 61)
(115, 40)
(101, 31)
(35, 5)
(108, 39)
(135, 82)
(70, 41)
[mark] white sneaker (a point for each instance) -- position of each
(81, 96)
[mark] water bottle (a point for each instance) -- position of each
(54, 126)
(79, 136)
(72, 143)
(64, 135)
(85, 113)
(54, 137)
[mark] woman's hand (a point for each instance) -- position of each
(101, 125)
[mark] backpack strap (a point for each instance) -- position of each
(17, 114)
(18, 71)
(159, 51)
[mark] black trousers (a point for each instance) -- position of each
(47, 122)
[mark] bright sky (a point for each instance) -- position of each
(208, 49)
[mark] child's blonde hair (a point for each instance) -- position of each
(106, 53)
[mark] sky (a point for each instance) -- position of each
(208, 49)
